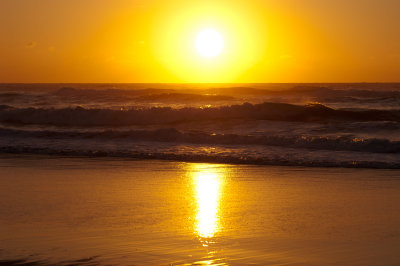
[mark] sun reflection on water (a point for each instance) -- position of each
(207, 180)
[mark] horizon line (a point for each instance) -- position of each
(207, 83)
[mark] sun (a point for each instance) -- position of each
(209, 43)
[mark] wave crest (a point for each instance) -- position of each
(172, 135)
(80, 116)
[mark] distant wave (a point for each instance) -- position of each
(10, 95)
(172, 135)
(226, 93)
(71, 96)
(384, 96)
(166, 115)
(143, 95)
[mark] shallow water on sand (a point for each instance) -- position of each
(122, 212)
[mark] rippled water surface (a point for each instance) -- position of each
(122, 212)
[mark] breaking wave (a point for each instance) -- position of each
(172, 135)
(80, 116)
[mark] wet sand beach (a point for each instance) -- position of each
(85, 211)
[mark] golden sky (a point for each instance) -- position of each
(154, 41)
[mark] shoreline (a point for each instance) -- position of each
(203, 159)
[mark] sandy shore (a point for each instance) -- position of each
(121, 212)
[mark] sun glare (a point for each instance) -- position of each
(209, 43)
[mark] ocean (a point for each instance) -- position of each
(199, 174)
(325, 125)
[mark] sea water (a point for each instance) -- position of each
(335, 125)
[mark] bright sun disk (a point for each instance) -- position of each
(209, 43)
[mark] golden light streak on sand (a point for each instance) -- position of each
(208, 181)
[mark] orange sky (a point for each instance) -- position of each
(152, 41)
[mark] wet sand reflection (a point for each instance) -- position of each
(208, 181)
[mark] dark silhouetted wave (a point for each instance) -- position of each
(172, 135)
(166, 115)
(144, 95)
